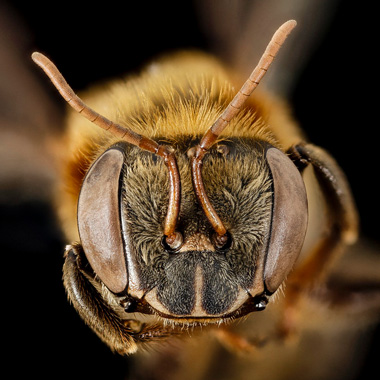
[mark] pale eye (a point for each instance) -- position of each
(289, 219)
(99, 220)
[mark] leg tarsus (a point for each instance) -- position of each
(237, 343)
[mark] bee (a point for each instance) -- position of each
(194, 207)
(211, 238)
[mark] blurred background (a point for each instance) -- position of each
(333, 98)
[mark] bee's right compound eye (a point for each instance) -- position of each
(99, 220)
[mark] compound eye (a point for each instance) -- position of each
(289, 219)
(99, 220)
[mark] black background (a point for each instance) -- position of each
(334, 101)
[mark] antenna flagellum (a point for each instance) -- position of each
(125, 134)
(221, 123)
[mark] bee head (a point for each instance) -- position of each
(255, 189)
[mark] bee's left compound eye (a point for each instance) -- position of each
(289, 219)
(99, 220)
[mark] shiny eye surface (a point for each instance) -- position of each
(99, 220)
(289, 219)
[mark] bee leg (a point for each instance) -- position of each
(353, 286)
(237, 343)
(341, 230)
(342, 217)
(122, 335)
